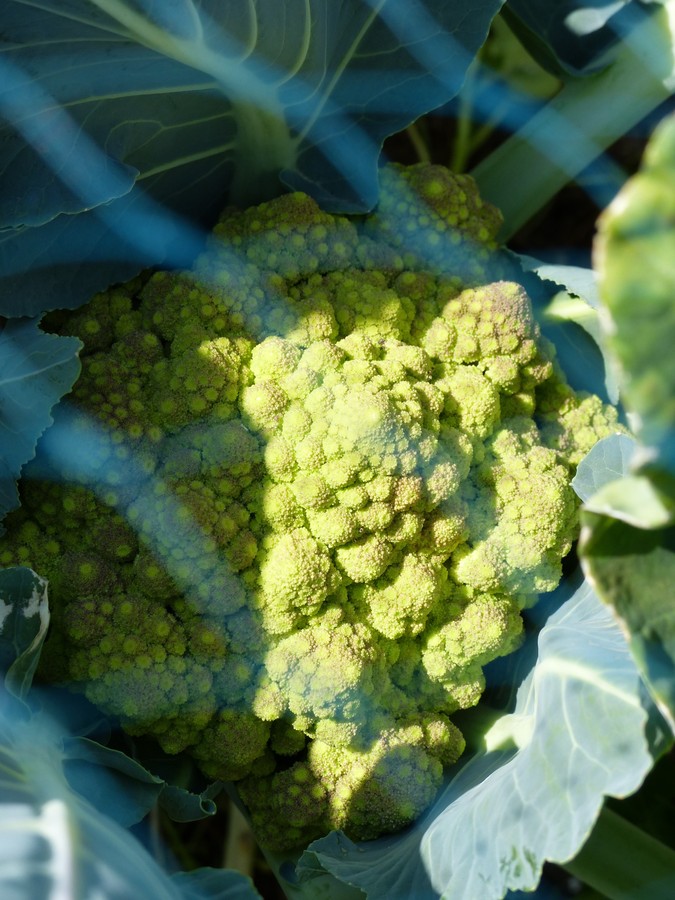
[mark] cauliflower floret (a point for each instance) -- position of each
(571, 423)
(296, 575)
(366, 790)
(326, 670)
(325, 471)
(516, 540)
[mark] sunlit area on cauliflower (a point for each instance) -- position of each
(326, 471)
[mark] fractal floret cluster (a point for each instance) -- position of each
(302, 495)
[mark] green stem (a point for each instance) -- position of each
(624, 863)
(264, 147)
(480, 135)
(240, 843)
(580, 122)
(417, 140)
(176, 845)
(462, 142)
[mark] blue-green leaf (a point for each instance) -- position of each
(576, 734)
(64, 262)
(111, 780)
(577, 349)
(36, 370)
(633, 570)
(626, 548)
(135, 106)
(56, 843)
(577, 280)
(24, 619)
(628, 537)
(635, 500)
(608, 460)
(573, 37)
(215, 884)
(183, 805)
(576, 302)
(128, 789)
(634, 256)
(41, 144)
(578, 727)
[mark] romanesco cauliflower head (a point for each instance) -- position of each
(325, 471)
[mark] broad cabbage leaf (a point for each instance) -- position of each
(575, 302)
(574, 37)
(607, 461)
(628, 539)
(134, 107)
(633, 254)
(55, 842)
(36, 370)
(24, 619)
(627, 548)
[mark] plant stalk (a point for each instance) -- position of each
(580, 122)
(622, 862)
(240, 846)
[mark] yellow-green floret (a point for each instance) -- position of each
(303, 493)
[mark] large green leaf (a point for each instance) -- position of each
(606, 462)
(607, 485)
(572, 37)
(192, 103)
(214, 884)
(633, 569)
(575, 301)
(635, 257)
(57, 844)
(628, 539)
(627, 548)
(95, 770)
(577, 733)
(24, 619)
(36, 370)
(53, 841)
(588, 115)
